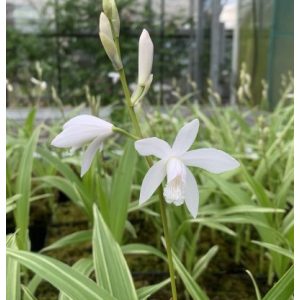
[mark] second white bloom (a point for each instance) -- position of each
(81, 130)
(181, 185)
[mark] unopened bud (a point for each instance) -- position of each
(111, 11)
(145, 57)
(107, 40)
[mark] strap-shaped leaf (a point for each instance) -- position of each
(13, 287)
(85, 266)
(70, 240)
(145, 292)
(23, 187)
(284, 288)
(27, 293)
(69, 281)
(121, 191)
(111, 269)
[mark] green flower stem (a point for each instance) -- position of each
(168, 241)
(130, 108)
(163, 214)
(124, 132)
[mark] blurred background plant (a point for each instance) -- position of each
(203, 39)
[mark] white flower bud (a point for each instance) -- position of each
(107, 40)
(145, 57)
(111, 11)
(107, 8)
(115, 20)
(104, 26)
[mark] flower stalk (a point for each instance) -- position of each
(124, 132)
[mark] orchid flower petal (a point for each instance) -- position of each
(89, 154)
(80, 130)
(104, 26)
(185, 137)
(191, 194)
(87, 120)
(152, 180)
(153, 146)
(75, 136)
(210, 159)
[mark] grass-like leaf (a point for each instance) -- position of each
(69, 281)
(111, 269)
(121, 191)
(147, 291)
(23, 187)
(284, 288)
(13, 286)
(70, 240)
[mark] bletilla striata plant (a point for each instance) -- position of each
(174, 161)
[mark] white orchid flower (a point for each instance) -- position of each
(181, 184)
(81, 130)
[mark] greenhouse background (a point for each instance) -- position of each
(62, 37)
(149, 149)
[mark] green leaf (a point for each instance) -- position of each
(145, 292)
(121, 191)
(249, 209)
(141, 249)
(11, 202)
(63, 277)
(71, 179)
(257, 292)
(71, 239)
(84, 266)
(275, 248)
(33, 285)
(27, 293)
(257, 189)
(111, 269)
(284, 288)
(61, 167)
(23, 187)
(13, 285)
(232, 190)
(65, 186)
(29, 122)
(203, 262)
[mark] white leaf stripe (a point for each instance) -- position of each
(69, 281)
(85, 266)
(13, 287)
(110, 265)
